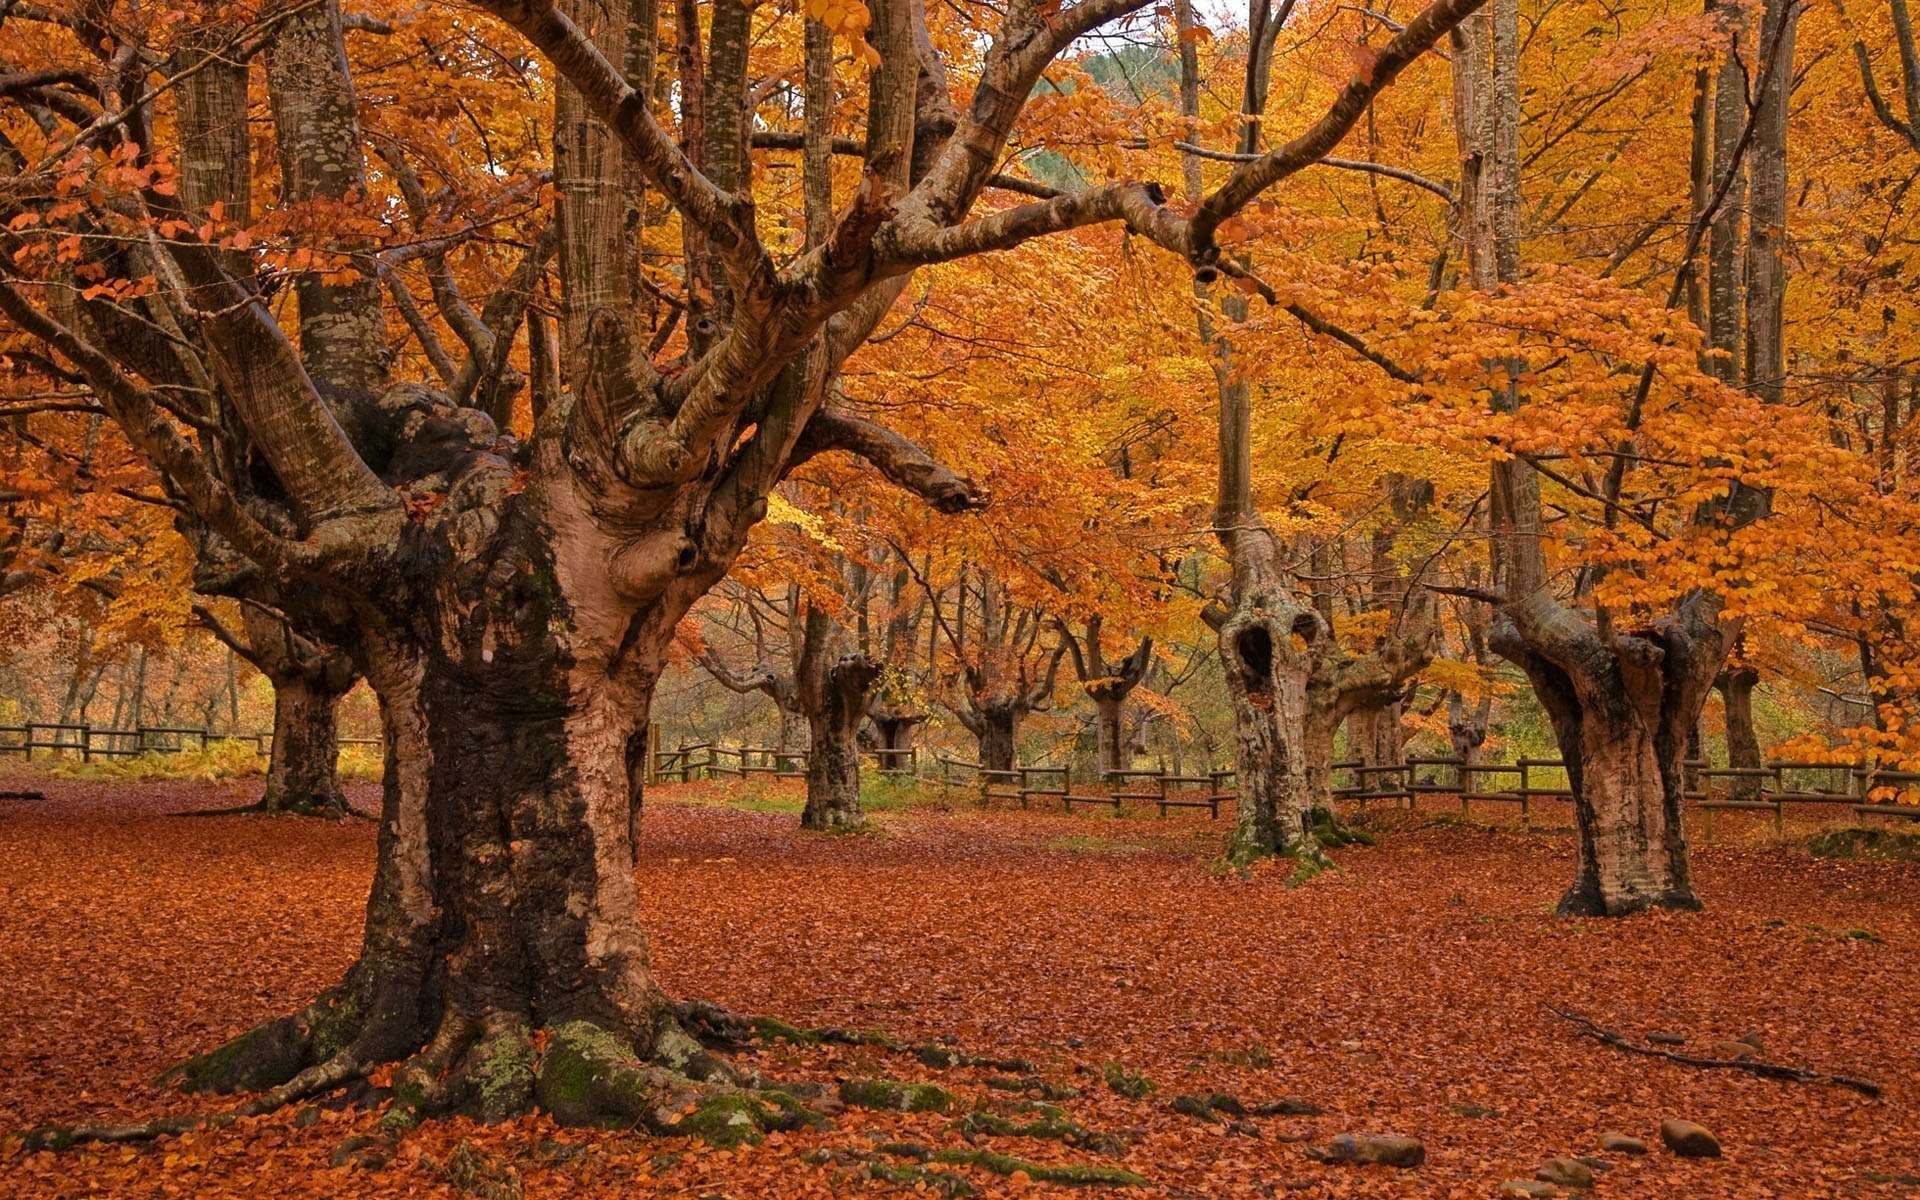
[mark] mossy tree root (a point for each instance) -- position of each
(492, 1068)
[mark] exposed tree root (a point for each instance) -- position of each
(1769, 1070)
(327, 812)
(315, 1080)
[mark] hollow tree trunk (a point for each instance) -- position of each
(303, 774)
(1266, 672)
(1736, 686)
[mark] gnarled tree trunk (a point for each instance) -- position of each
(834, 683)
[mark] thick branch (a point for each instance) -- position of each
(901, 461)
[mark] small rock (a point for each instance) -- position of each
(1659, 1038)
(1753, 1040)
(1386, 1150)
(1689, 1140)
(1621, 1143)
(1736, 1051)
(1528, 1187)
(1474, 1112)
(308, 1115)
(1566, 1173)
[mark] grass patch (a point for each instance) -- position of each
(886, 792)
(1126, 1081)
(216, 760)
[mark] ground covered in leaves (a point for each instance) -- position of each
(1153, 998)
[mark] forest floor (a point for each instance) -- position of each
(1407, 993)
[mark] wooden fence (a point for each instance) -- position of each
(95, 741)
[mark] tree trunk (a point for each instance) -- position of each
(303, 776)
(1266, 672)
(998, 730)
(1467, 725)
(833, 761)
(1110, 749)
(1317, 752)
(896, 732)
(833, 686)
(504, 899)
(792, 736)
(1376, 736)
(1620, 709)
(1736, 686)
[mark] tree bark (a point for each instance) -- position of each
(303, 774)
(998, 733)
(1736, 685)
(1110, 748)
(834, 684)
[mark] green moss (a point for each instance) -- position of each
(1127, 1082)
(943, 1183)
(481, 1175)
(503, 1074)
(1032, 1085)
(1333, 833)
(734, 1119)
(772, 1029)
(940, 1058)
(1082, 1175)
(1051, 1126)
(590, 1076)
(260, 1058)
(896, 1096)
(1209, 1106)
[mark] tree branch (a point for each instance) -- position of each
(903, 463)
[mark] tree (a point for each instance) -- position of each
(1107, 685)
(308, 677)
(511, 600)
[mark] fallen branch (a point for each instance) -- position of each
(1768, 1070)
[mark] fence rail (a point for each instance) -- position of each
(1869, 789)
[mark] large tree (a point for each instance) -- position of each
(511, 598)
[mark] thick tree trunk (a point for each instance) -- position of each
(1620, 710)
(998, 730)
(1467, 725)
(1736, 685)
(1376, 736)
(1317, 754)
(833, 761)
(303, 774)
(1262, 646)
(504, 899)
(793, 736)
(833, 687)
(896, 734)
